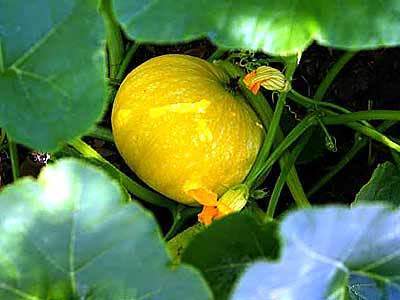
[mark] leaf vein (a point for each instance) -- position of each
(48, 258)
(381, 261)
(318, 256)
(41, 78)
(41, 41)
(20, 293)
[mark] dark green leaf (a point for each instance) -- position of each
(225, 248)
(275, 26)
(384, 186)
(329, 253)
(178, 244)
(52, 79)
(69, 235)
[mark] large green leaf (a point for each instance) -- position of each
(179, 243)
(52, 80)
(70, 235)
(329, 253)
(384, 186)
(275, 26)
(225, 248)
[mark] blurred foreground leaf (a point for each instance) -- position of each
(70, 235)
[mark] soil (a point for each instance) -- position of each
(370, 80)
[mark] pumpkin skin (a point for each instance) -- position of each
(179, 128)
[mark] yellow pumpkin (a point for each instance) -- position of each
(182, 130)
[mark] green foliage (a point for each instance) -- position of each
(278, 26)
(75, 234)
(69, 235)
(329, 253)
(52, 77)
(384, 186)
(225, 248)
(178, 244)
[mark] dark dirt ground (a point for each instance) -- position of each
(370, 79)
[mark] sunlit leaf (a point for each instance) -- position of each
(52, 80)
(275, 26)
(70, 235)
(328, 253)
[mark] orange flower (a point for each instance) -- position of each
(232, 201)
(270, 78)
(251, 84)
(207, 215)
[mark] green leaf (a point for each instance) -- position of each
(69, 235)
(52, 75)
(178, 244)
(277, 26)
(225, 248)
(363, 288)
(384, 186)
(329, 253)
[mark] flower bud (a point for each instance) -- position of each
(233, 200)
(270, 78)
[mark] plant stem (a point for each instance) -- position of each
(311, 103)
(122, 71)
(265, 113)
(102, 134)
(274, 124)
(12, 147)
(114, 38)
(293, 135)
(375, 135)
(323, 88)
(283, 175)
(216, 54)
(362, 115)
(180, 215)
(362, 128)
(396, 158)
(359, 143)
(261, 106)
(357, 146)
(331, 75)
(132, 186)
(125, 62)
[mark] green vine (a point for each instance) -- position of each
(265, 113)
(12, 148)
(102, 133)
(216, 54)
(114, 39)
(331, 75)
(392, 115)
(369, 130)
(360, 143)
(283, 175)
(274, 124)
(293, 135)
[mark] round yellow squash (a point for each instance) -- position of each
(181, 130)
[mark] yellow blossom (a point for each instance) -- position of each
(270, 78)
(231, 201)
